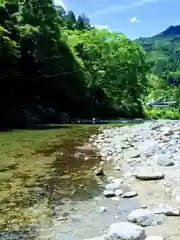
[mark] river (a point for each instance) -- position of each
(47, 187)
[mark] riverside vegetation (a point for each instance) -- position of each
(50, 59)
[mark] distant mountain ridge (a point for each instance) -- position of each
(163, 49)
(171, 31)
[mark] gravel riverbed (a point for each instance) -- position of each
(148, 160)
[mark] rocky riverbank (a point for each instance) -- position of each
(147, 156)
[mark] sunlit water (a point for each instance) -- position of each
(72, 195)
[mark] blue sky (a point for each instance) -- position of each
(135, 18)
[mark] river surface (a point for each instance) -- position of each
(61, 200)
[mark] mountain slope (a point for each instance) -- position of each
(164, 50)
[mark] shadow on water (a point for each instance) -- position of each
(46, 127)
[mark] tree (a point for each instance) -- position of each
(80, 25)
(71, 20)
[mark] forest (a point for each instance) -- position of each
(54, 61)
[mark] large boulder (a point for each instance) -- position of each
(125, 231)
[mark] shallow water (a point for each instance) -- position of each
(63, 198)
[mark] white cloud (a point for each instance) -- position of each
(60, 3)
(121, 7)
(134, 20)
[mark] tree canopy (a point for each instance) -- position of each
(54, 59)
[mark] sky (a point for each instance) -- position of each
(134, 18)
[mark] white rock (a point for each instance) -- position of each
(156, 126)
(144, 217)
(133, 154)
(108, 193)
(172, 212)
(167, 131)
(118, 192)
(164, 160)
(113, 186)
(130, 194)
(148, 173)
(125, 231)
(167, 210)
(148, 147)
(115, 198)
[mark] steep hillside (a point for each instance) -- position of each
(164, 50)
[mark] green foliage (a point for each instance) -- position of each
(51, 58)
(164, 51)
(162, 113)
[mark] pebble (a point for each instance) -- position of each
(109, 193)
(148, 173)
(130, 194)
(147, 151)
